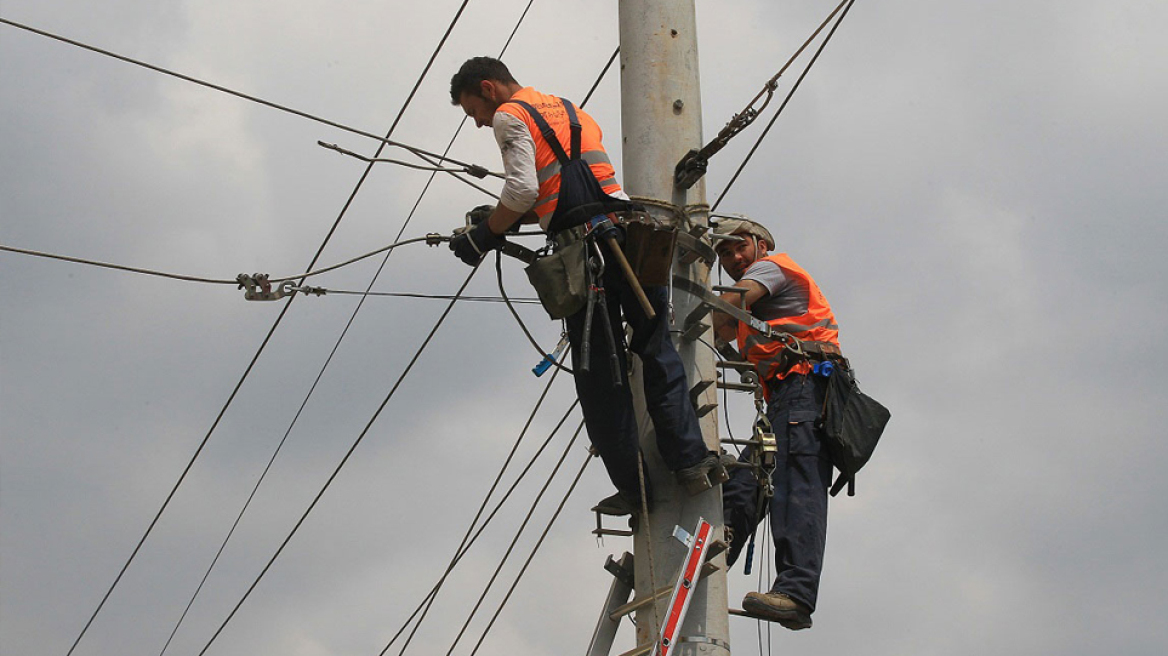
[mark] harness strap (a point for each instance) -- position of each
(549, 135)
(574, 127)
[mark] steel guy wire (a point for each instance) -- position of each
(319, 252)
(385, 141)
(603, 72)
(427, 601)
(515, 539)
(534, 550)
(341, 465)
(783, 106)
(743, 119)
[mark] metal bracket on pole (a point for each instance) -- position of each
(691, 247)
(601, 531)
(696, 392)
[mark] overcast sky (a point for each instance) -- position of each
(978, 188)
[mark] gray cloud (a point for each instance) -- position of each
(977, 187)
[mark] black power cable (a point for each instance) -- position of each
(514, 540)
(271, 331)
(428, 601)
(360, 304)
(341, 465)
(385, 141)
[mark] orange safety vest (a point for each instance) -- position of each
(546, 164)
(817, 325)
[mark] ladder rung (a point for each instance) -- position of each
(640, 650)
(640, 602)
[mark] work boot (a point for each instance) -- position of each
(618, 504)
(778, 607)
(707, 473)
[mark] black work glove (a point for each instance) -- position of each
(479, 214)
(471, 245)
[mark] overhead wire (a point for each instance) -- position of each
(216, 281)
(397, 384)
(385, 141)
(360, 304)
(523, 570)
(283, 312)
(321, 291)
(783, 106)
(514, 540)
(460, 553)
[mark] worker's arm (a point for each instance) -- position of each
(521, 185)
(725, 326)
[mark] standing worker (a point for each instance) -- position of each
(557, 173)
(781, 293)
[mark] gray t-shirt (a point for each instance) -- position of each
(786, 296)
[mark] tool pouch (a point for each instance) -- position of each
(561, 280)
(649, 247)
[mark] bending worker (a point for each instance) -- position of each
(557, 173)
(781, 293)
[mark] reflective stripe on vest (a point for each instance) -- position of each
(816, 324)
(546, 164)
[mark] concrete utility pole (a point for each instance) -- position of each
(661, 120)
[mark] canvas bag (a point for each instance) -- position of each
(853, 423)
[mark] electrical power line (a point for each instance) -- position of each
(515, 540)
(786, 100)
(321, 291)
(428, 600)
(523, 570)
(216, 281)
(238, 94)
(299, 412)
(263, 344)
(340, 466)
(376, 275)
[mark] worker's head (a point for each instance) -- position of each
(480, 86)
(736, 255)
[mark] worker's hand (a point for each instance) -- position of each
(479, 214)
(471, 245)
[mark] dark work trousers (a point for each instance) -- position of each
(802, 476)
(608, 409)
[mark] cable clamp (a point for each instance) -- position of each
(477, 171)
(259, 288)
(434, 238)
(690, 169)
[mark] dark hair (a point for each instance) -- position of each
(468, 79)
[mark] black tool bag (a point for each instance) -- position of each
(852, 423)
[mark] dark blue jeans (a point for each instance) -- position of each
(608, 409)
(802, 476)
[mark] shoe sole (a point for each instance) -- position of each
(794, 620)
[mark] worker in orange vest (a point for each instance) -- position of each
(558, 174)
(781, 293)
